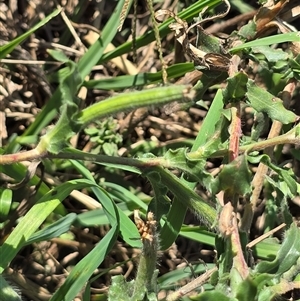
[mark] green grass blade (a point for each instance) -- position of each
(279, 38)
(128, 229)
(85, 268)
(125, 194)
(188, 14)
(54, 230)
(93, 55)
(141, 79)
(208, 126)
(9, 47)
(18, 171)
(34, 218)
(85, 65)
(198, 234)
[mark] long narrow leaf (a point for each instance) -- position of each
(176, 215)
(35, 217)
(84, 269)
(9, 47)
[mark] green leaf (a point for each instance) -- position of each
(159, 205)
(272, 55)
(9, 47)
(236, 87)
(287, 175)
(140, 79)
(198, 234)
(235, 178)
(120, 289)
(263, 101)
(5, 204)
(54, 230)
(208, 43)
(58, 55)
(287, 255)
(118, 191)
(246, 290)
(267, 295)
(205, 211)
(57, 138)
(128, 229)
(178, 210)
(85, 268)
(133, 100)
(247, 32)
(279, 38)
(179, 159)
(34, 218)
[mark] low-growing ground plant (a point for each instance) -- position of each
(138, 190)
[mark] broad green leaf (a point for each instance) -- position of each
(120, 289)
(246, 290)
(205, 211)
(235, 178)
(261, 280)
(287, 256)
(58, 137)
(267, 295)
(272, 55)
(263, 101)
(133, 100)
(9, 47)
(236, 87)
(58, 55)
(208, 43)
(287, 175)
(159, 205)
(179, 159)
(247, 32)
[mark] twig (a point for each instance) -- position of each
(192, 285)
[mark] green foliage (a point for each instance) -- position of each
(5, 204)
(263, 101)
(105, 137)
(172, 193)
